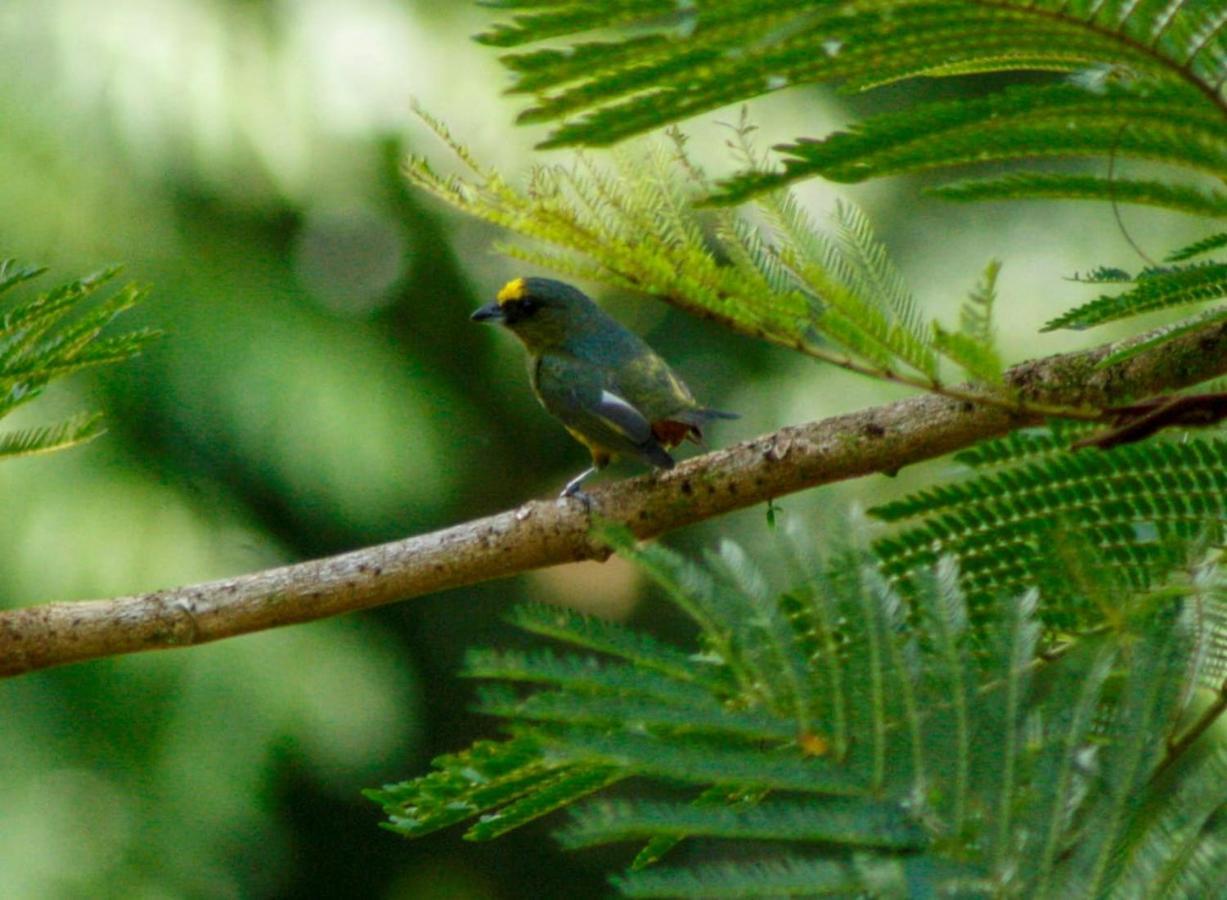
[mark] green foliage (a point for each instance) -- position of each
(640, 234)
(851, 735)
(1000, 695)
(1063, 186)
(55, 334)
(870, 296)
(1162, 335)
(1023, 444)
(1154, 289)
(1086, 528)
(1205, 245)
(511, 774)
(768, 272)
(1142, 80)
(1116, 80)
(974, 345)
(1171, 124)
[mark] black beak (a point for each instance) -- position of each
(491, 311)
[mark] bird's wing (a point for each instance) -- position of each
(618, 414)
(575, 392)
(649, 380)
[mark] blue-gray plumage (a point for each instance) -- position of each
(611, 390)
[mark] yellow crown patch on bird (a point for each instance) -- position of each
(607, 387)
(512, 291)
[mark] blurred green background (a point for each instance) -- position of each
(320, 388)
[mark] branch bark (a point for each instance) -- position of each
(546, 532)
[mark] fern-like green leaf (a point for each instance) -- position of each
(646, 713)
(1025, 443)
(699, 761)
(947, 623)
(635, 226)
(1205, 245)
(636, 648)
(1028, 121)
(693, 590)
(13, 273)
(1183, 853)
(1103, 275)
(1143, 717)
(776, 660)
(967, 758)
(784, 877)
(52, 335)
(1114, 511)
(1153, 290)
(974, 346)
(30, 441)
(1060, 784)
(487, 775)
(1127, 350)
(587, 674)
(1062, 186)
(1014, 642)
(546, 797)
(719, 796)
(859, 822)
(876, 299)
(1143, 80)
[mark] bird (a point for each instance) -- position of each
(610, 390)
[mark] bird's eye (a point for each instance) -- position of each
(519, 310)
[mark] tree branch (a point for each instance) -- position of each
(546, 532)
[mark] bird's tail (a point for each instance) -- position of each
(698, 418)
(654, 454)
(708, 414)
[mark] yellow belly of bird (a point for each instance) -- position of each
(600, 455)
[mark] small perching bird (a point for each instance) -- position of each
(610, 390)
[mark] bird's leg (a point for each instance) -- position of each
(572, 488)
